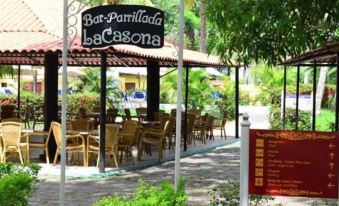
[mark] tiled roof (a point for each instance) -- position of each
(326, 54)
(30, 28)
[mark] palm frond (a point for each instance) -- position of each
(6, 71)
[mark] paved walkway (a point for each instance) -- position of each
(201, 171)
(195, 169)
(258, 118)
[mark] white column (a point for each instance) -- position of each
(179, 94)
(244, 156)
(63, 105)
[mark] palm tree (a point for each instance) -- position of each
(203, 26)
(90, 82)
(199, 89)
(6, 70)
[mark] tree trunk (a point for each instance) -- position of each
(203, 26)
(35, 80)
(321, 88)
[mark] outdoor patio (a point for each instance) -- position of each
(77, 170)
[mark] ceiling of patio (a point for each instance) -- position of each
(31, 28)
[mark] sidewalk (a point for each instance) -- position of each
(258, 118)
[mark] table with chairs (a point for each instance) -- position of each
(82, 136)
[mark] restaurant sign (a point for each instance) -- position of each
(142, 26)
(293, 163)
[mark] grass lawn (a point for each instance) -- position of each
(324, 119)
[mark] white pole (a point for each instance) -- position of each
(179, 94)
(63, 106)
(244, 156)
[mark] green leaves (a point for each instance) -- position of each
(6, 70)
(199, 89)
(90, 82)
(146, 195)
(273, 30)
(17, 183)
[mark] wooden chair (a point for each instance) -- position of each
(71, 146)
(209, 127)
(159, 114)
(38, 115)
(220, 123)
(11, 139)
(141, 112)
(128, 115)
(191, 119)
(155, 137)
(96, 109)
(82, 113)
(41, 145)
(199, 129)
(111, 115)
(173, 112)
(111, 143)
(195, 111)
(28, 116)
(127, 138)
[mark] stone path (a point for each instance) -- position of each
(202, 172)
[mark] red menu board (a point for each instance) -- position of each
(293, 163)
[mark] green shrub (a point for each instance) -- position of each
(244, 98)
(146, 195)
(85, 100)
(263, 98)
(304, 122)
(227, 194)
(303, 89)
(17, 183)
(227, 101)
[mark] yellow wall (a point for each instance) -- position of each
(138, 80)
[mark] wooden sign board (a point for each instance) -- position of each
(293, 163)
(142, 26)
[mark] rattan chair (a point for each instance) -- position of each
(12, 120)
(111, 143)
(41, 145)
(81, 124)
(71, 146)
(153, 137)
(111, 115)
(141, 112)
(11, 139)
(127, 138)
